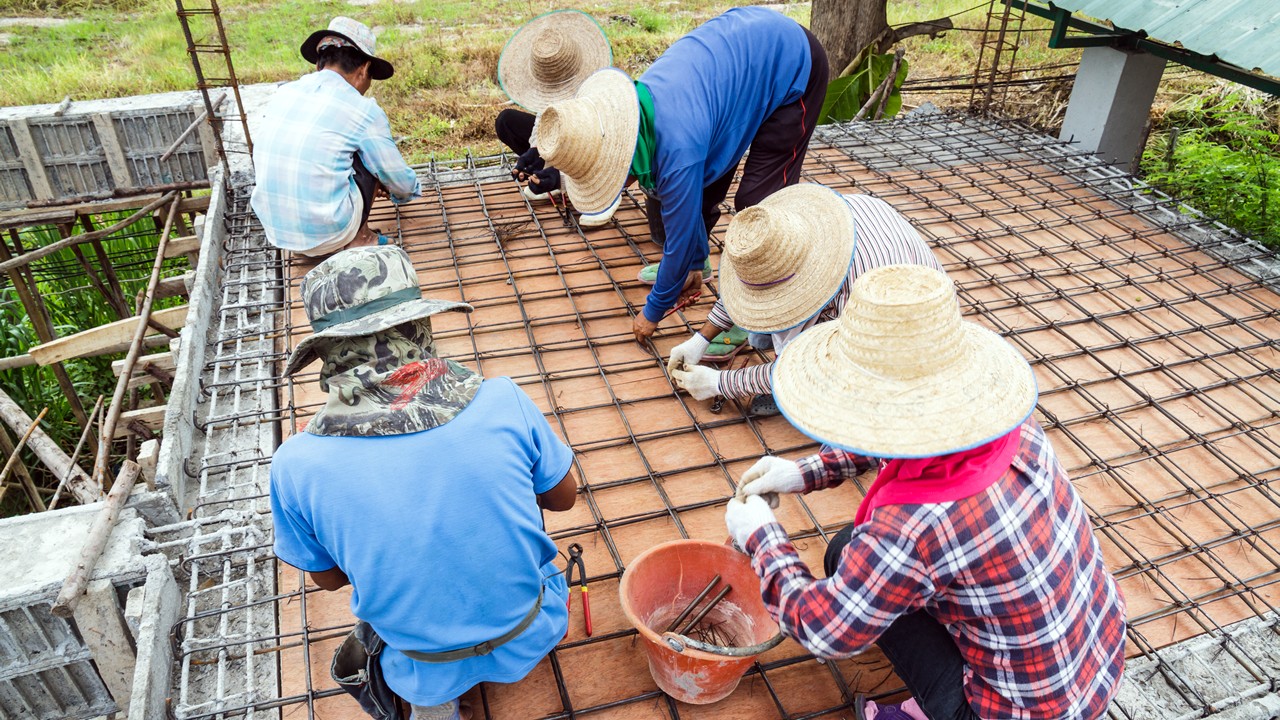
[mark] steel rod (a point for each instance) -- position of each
(692, 604)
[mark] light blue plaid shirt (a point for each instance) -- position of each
(302, 153)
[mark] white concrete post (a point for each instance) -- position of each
(1111, 103)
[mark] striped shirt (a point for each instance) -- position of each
(884, 237)
(303, 149)
(1014, 573)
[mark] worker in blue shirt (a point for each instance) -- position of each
(750, 78)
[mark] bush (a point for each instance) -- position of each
(1220, 152)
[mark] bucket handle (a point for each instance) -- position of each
(679, 642)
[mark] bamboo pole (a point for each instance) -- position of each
(37, 253)
(73, 587)
(192, 128)
(48, 451)
(107, 434)
(27, 482)
(75, 454)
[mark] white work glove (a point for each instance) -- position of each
(688, 353)
(701, 382)
(771, 475)
(745, 517)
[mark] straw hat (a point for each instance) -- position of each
(592, 137)
(785, 258)
(547, 59)
(900, 375)
(355, 33)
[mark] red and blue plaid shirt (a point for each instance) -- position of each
(1014, 572)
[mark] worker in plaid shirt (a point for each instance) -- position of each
(971, 561)
(324, 152)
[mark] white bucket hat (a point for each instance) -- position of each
(591, 138)
(786, 258)
(900, 375)
(357, 34)
(547, 59)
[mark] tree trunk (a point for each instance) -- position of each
(846, 26)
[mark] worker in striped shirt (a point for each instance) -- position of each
(971, 561)
(806, 244)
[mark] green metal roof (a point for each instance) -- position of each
(1245, 33)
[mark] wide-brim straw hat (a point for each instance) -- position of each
(361, 291)
(900, 375)
(592, 137)
(786, 258)
(546, 60)
(356, 33)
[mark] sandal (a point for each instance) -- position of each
(649, 273)
(726, 345)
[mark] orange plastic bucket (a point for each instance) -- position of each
(662, 581)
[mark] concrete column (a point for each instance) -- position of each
(1111, 103)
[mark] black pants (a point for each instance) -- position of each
(367, 184)
(514, 128)
(922, 653)
(775, 157)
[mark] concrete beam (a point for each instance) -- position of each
(1111, 103)
(161, 608)
(102, 626)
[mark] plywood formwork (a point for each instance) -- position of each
(1154, 353)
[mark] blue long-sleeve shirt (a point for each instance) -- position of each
(712, 89)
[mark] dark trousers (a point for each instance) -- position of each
(367, 184)
(775, 157)
(921, 651)
(514, 128)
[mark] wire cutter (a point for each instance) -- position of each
(575, 560)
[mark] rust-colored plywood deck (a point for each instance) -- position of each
(1155, 362)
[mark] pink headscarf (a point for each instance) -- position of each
(940, 479)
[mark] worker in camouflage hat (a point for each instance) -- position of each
(418, 477)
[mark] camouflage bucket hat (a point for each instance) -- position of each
(361, 291)
(372, 330)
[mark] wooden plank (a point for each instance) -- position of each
(163, 360)
(116, 161)
(62, 215)
(181, 246)
(88, 342)
(31, 159)
(152, 417)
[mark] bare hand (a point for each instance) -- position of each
(692, 286)
(380, 192)
(642, 328)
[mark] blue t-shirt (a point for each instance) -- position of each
(712, 89)
(440, 534)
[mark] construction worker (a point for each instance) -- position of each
(788, 264)
(545, 61)
(323, 151)
(971, 560)
(420, 484)
(750, 78)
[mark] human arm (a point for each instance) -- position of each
(881, 576)
(685, 249)
(380, 155)
(561, 497)
(832, 467)
(331, 579)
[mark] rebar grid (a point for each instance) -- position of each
(1154, 355)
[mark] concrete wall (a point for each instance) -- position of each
(1111, 102)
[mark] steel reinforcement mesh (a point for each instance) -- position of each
(1153, 347)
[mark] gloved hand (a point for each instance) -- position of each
(771, 475)
(745, 517)
(528, 163)
(688, 353)
(545, 180)
(701, 382)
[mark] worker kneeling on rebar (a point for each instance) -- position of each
(419, 483)
(323, 152)
(971, 561)
(788, 264)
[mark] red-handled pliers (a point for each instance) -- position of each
(575, 560)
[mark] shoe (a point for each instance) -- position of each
(592, 220)
(649, 273)
(539, 197)
(763, 406)
(864, 709)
